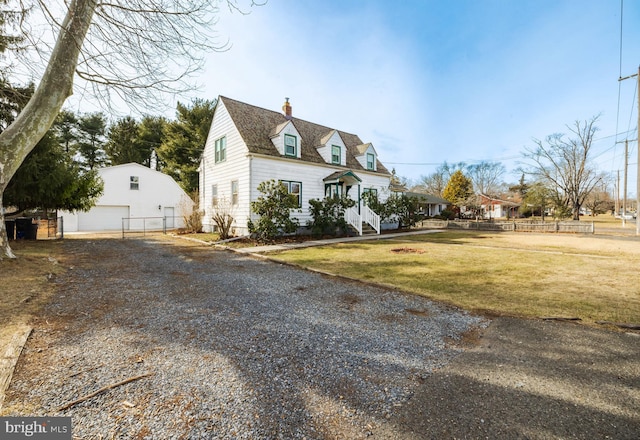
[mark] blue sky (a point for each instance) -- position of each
(433, 81)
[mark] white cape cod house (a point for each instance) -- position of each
(248, 145)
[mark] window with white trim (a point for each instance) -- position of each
(290, 145)
(234, 192)
(221, 149)
(336, 154)
(294, 188)
(214, 195)
(134, 182)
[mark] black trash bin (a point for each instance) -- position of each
(25, 229)
(33, 231)
(10, 224)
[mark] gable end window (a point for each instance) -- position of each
(221, 149)
(134, 183)
(290, 145)
(371, 161)
(295, 189)
(336, 155)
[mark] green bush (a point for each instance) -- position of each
(274, 207)
(328, 215)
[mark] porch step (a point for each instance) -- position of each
(367, 229)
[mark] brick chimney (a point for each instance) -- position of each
(286, 108)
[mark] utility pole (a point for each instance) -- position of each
(637, 75)
(624, 194)
(617, 208)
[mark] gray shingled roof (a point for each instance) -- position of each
(257, 125)
(429, 198)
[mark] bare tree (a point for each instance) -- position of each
(564, 164)
(436, 182)
(130, 49)
(486, 177)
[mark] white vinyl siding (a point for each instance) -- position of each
(311, 177)
(235, 167)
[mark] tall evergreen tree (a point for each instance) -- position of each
(184, 142)
(122, 144)
(49, 179)
(151, 136)
(92, 130)
(66, 129)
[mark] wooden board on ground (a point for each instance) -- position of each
(10, 357)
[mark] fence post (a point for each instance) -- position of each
(164, 225)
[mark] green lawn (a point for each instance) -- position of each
(532, 275)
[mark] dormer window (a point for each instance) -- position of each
(290, 145)
(371, 161)
(336, 154)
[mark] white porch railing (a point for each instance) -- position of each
(352, 217)
(371, 217)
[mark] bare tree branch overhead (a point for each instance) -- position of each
(137, 51)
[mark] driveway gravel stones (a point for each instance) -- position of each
(236, 347)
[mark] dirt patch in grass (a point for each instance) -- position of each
(407, 250)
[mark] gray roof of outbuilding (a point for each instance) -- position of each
(257, 126)
(429, 198)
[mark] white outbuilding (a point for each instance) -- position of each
(134, 198)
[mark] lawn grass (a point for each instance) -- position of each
(530, 275)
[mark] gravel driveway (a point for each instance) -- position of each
(235, 347)
(224, 346)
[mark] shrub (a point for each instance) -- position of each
(223, 217)
(274, 207)
(328, 215)
(447, 215)
(192, 215)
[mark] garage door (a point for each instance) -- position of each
(102, 218)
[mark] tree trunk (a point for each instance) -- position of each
(56, 85)
(576, 212)
(5, 249)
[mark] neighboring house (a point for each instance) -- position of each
(428, 204)
(248, 145)
(135, 197)
(496, 208)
